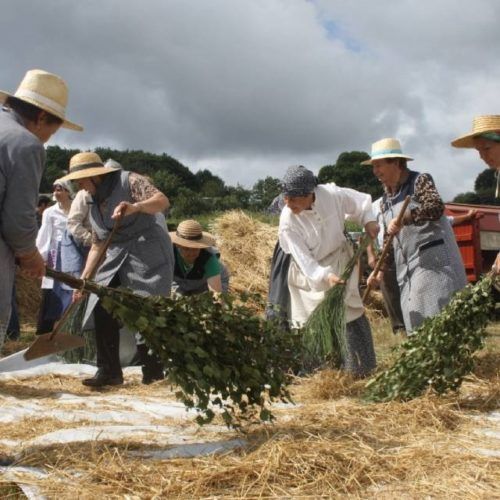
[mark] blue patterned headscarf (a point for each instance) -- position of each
(298, 181)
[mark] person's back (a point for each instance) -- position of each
(22, 157)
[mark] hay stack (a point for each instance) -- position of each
(246, 246)
(28, 295)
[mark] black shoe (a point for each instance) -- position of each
(149, 378)
(152, 367)
(101, 379)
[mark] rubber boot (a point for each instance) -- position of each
(152, 367)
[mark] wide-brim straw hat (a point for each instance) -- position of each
(480, 125)
(45, 91)
(190, 234)
(87, 164)
(386, 148)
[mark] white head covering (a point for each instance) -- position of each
(67, 185)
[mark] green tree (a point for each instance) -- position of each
(348, 172)
(484, 190)
(469, 198)
(167, 183)
(188, 203)
(264, 191)
(52, 172)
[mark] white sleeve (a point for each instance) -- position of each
(357, 206)
(44, 235)
(293, 243)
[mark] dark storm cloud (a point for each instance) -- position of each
(247, 87)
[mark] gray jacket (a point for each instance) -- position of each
(22, 160)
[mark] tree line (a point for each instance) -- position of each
(202, 192)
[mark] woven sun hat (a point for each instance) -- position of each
(190, 234)
(45, 91)
(386, 148)
(481, 126)
(87, 164)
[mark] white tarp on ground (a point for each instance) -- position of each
(164, 427)
(152, 418)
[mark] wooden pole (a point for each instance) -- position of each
(387, 245)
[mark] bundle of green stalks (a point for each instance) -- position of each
(440, 353)
(216, 350)
(324, 337)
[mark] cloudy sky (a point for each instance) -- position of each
(248, 87)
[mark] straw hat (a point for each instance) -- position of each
(480, 125)
(190, 234)
(87, 164)
(386, 148)
(45, 91)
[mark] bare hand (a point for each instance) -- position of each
(77, 295)
(496, 265)
(333, 280)
(372, 229)
(123, 209)
(32, 264)
(393, 227)
(374, 280)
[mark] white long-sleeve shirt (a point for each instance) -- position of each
(49, 236)
(313, 234)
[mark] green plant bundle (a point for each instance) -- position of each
(440, 353)
(216, 350)
(324, 335)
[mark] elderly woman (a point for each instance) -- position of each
(429, 268)
(197, 266)
(139, 256)
(55, 297)
(485, 138)
(29, 118)
(311, 229)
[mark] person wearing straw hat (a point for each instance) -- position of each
(197, 266)
(311, 230)
(28, 119)
(49, 241)
(429, 268)
(485, 139)
(139, 256)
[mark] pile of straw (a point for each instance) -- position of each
(28, 295)
(324, 450)
(246, 246)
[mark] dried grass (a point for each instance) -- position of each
(328, 446)
(246, 246)
(28, 295)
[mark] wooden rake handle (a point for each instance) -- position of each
(100, 258)
(387, 245)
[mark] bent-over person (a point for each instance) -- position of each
(139, 256)
(311, 229)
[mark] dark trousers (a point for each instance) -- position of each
(107, 338)
(13, 330)
(392, 299)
